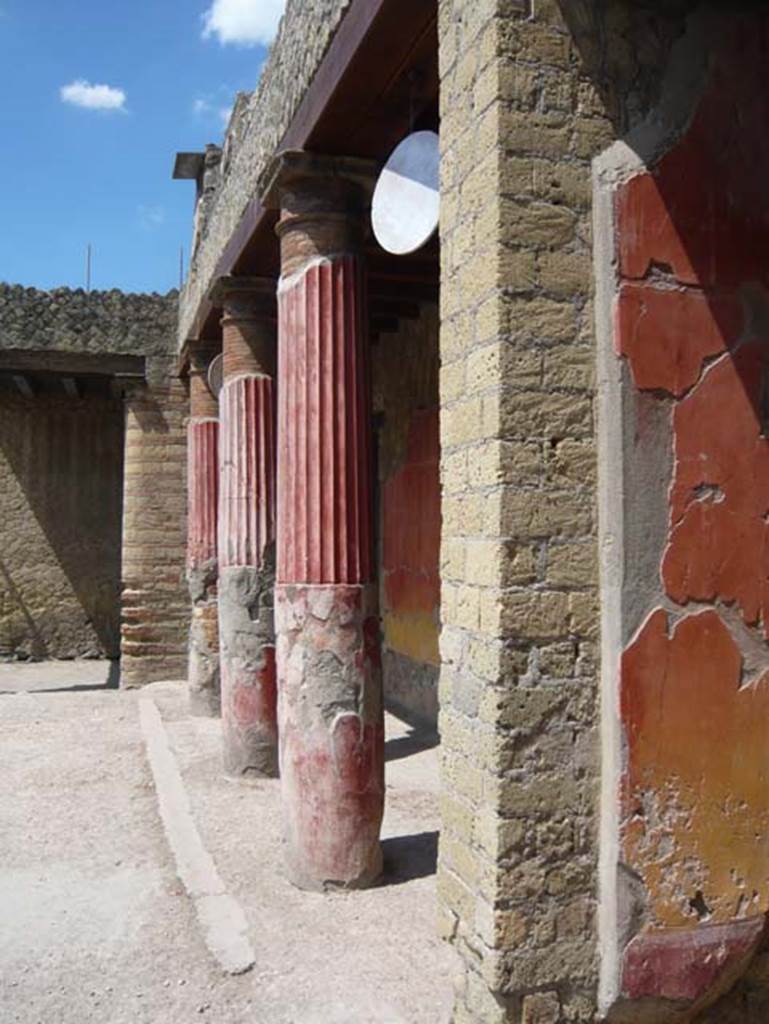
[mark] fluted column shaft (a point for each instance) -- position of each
(247, 527)
(202, 567)
(329, 675)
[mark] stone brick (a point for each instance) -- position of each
(571, 565)
(541, 1008)
(60, 325)
(517, 247)
(542, 225)
(527, 414)
(564, 274)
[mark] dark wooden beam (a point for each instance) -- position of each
(23, 385)
(70, 363)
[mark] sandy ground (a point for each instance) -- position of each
(95, 925)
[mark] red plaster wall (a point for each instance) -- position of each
(692, 320)
(411, 543)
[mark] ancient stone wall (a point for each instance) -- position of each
(405, 380)
(529, 97)
(75, 459)
(60, 509)
(519, 602)
(90, 322)
(303, 38)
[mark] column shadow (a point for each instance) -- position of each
(407, 858)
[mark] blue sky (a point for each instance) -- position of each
(70, 173)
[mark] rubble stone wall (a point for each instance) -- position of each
(305, 32)
(94, 323)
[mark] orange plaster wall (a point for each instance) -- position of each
(692, 321)
(411, 542)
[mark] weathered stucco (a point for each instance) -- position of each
(690, 323)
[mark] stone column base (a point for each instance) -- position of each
(246, 632)
(204, 677)
(331, 733)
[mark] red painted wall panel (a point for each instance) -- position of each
(693, 323)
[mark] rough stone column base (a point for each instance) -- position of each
(246, 632)
(204, 676)
(331, 733)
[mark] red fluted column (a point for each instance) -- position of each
(329, 675)
(202, 568)
(247, 526)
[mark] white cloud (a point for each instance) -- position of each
(205, 108)
(244, 22)
(92, 97)
(151, 216)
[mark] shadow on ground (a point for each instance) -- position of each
(409, 857)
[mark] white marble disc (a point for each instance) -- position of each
(216, 375)
(404, 211)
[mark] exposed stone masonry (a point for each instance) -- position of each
(519, 698)
(154, 599)
(93, 322)
(305, 33)
(155, 604)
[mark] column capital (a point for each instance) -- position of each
(249, 323)
(323, 203)
(245, 298)
(333, 178)
(200, 352)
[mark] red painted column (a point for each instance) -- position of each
(202, 568)
(329, 676)
(247, 526)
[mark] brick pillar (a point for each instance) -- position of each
(519, 609)
(247, 526)
(202, 568)
(330, 708)
(154, 602)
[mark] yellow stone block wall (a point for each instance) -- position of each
(518, 689)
